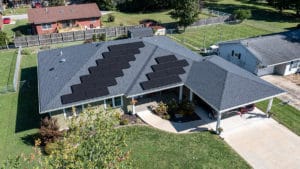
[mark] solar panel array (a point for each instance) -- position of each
(165, 72)
(104, 74)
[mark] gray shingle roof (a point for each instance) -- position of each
(224, 85)
(199, 76)
(275, 48)
(140, 32)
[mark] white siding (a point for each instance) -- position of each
(286, 69)
(246, 60)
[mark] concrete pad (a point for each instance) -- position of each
(266, 144)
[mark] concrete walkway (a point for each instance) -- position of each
(173, 127)
(293, 90)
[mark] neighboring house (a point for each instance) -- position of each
(117, 73)
(140, 32)
(64, 18)
(271, 54)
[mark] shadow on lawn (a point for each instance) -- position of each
(27, 112)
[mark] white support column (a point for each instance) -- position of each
(82, 107)
(191, 95)
(218, 123)
(180, 93)
(122, 101)
(65, 114)
(113, 102)
(50, 114)
(133, 105)
(105, 106)
(269, 107)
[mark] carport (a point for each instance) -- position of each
(225, 87)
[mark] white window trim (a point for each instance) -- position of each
(48, 28)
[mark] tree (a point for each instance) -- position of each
(242, 14)
(49, 130)
(92, 141)
(56, 2)
(186, 11)
(3, 38)
(105, 4)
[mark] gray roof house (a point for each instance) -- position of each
(140, 32)
(275, 53)
(114, 71)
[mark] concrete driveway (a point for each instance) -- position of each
(265, 144)
(293, 90)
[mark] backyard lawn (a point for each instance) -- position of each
(151, 148)
(284, 114)
(122, 18)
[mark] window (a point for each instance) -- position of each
(238, 55)
(46, 26)
(232, 53)
(118, 101)
(109, 103)
(294, 64)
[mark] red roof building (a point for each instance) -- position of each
(64, 18)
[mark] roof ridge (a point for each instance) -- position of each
(141, 70)
(54, 98)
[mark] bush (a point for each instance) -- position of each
(94, 38)
(50, 147)
(166, 116)
(173, 106)
(186, 108)
(25, 52)
(124, 121)
(161, 109)
(3, 38)
(102, 37)
(242, 14)
(111, 18)
(49, 130)
(88, 41)
(18, 33)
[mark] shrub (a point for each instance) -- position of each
(173, 106)
(88, 41)
(186, 108)
(161, 108)
(124, 121)
(50, 147)
(111, 18)
(18, 33)
(94, 38)
(242, 14)
(49, 130)
(166, 116)
(102, 37)
(25, 52)
(3, 38)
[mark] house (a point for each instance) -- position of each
(159, 30)
(121, 73)
(64, 18)
(140, 32)
(271, 54)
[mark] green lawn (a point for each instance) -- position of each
(151, 148)
(211, 34)
(7, 62)
(16, 11)
(20, 25)
(122, 18)
(284, 114)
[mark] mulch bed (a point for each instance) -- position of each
(184, 118)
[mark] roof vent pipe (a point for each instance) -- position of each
(61, 53)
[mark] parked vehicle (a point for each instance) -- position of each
(6, 20)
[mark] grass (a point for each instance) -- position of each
(20, 25)
(16, 11)
(284, 114)
(7, 62)
(211, 34)
(151, 148)
(125, 19)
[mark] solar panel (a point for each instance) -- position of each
(126, 46)
(165, 59)
(160, 82)
(165, 73)
(169, 65)
(104, 74)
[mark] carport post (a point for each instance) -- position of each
(269, 107)
(191, 95)
(218, 123)
(180, 93)
(65, 114)
(133, 105)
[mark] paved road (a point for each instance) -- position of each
(293, 90)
